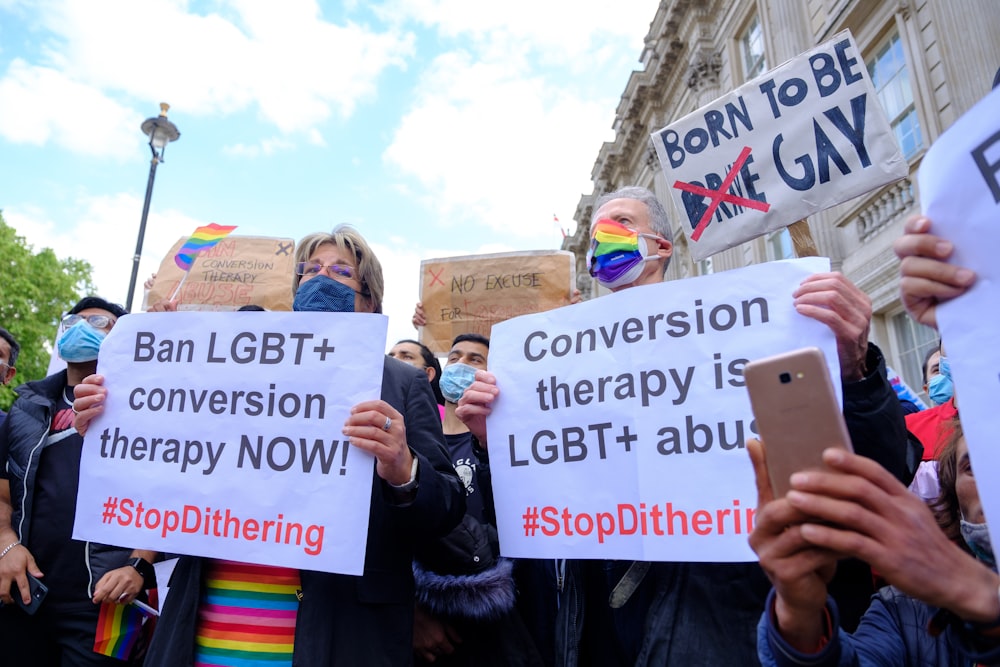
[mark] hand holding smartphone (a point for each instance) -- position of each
(38, 592)
(797, 412)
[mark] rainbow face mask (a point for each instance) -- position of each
(616, 257)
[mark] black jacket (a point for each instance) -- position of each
(23, 435)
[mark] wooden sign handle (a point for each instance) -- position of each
(802, 240)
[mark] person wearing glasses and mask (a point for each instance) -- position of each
(39, 474)
(283, 615)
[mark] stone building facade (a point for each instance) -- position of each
(930, 60)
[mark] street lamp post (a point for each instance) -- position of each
(160, 132)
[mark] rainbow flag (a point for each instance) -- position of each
(203, 238)
(119, 627)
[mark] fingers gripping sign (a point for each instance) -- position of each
(476, 404)
(88, 403)
(926, 278)
(835, 301)
(377, 428)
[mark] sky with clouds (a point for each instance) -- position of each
(436, 127)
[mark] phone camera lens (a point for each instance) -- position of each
(785, 378)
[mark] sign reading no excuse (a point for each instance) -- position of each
(470, 294)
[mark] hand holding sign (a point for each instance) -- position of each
(926, 277)
(835, 301)
(377, 428)
(476, 404)
(89, 397)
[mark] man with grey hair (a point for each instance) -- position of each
(637, 613)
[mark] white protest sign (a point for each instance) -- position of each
(960, 192)
(801, 138)
(221, 437)
(620, 426)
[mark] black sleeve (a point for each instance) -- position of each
(875, 420)
(439, 503)
(485, 480)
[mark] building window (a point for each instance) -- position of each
(752, 48)
(705, 266)
(779, 245)
(892, 82)
(913, 342)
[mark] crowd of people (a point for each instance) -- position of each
(435, 588)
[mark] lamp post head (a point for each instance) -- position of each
(160, 131)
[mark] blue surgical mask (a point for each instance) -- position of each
(455, 379)
(325, 295)
(81, 342)
(977, 536)
(940, 388)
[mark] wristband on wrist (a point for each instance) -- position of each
(8, 548)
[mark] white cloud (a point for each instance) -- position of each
(504, 130)
(41, 104)
(315, 137)
(281, 58)
(560, 30)
(265, 147)
(105, 234)
(517, 147)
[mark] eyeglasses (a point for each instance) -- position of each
(97, 321)
(314, 268)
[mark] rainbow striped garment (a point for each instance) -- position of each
(246, 617)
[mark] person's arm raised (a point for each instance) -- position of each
(798, 571)
(864, 512)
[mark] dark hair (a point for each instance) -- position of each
(14, 346)
(996, 79)
(98, 302)
(945, 506)
(250, 307)
(927, 357)
(429, 361)
(472, 338)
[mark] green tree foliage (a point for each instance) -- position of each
(36, 288)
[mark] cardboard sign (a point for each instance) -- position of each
(620, 425)
(801, 138)
(472, 293)
(221, 437)
(237, 271)
(960, 193)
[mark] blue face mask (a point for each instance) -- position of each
(940, 388)
(81, 342)
(977, 536)
(455, 379)
(324, 295)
